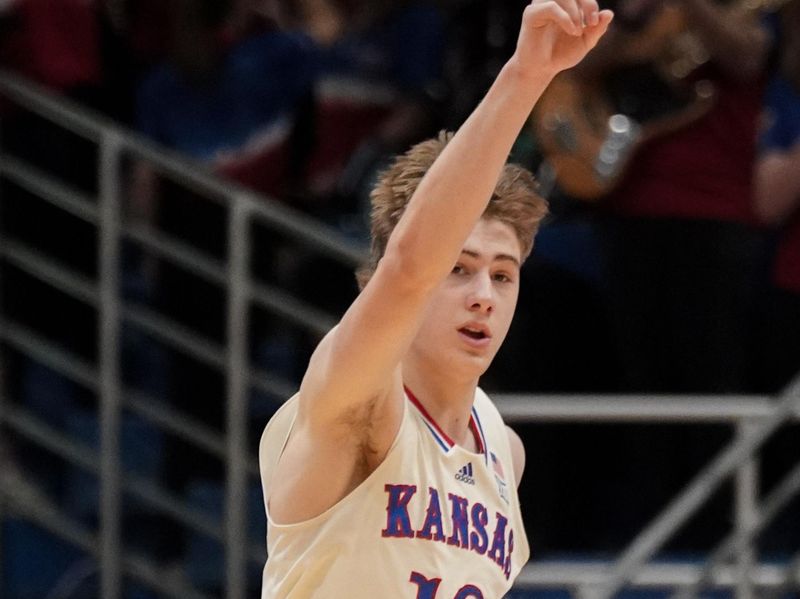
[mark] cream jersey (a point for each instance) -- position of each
(433, 521)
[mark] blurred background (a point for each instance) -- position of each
(184, 201)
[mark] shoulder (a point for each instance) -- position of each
(517, 453)
(489, 412)
(485, 404)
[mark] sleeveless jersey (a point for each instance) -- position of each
(432, 521)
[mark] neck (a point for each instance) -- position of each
(448, 401)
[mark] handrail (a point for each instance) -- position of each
(517, 408)
(185, 427)
(56, 358)
(567, 574)
(77, 204)
(783, 493)
(283, 304)
(791, 577)
(26, 501)
(212, 270)
(93, 125)
(36, 347)
(682, 507)
(160, 327)
(41, 184)
(24, 423)
(48, 271)
(114, 144)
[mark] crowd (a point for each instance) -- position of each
(683, 278)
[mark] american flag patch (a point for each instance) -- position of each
(497, 466)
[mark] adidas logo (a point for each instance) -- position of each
(464, 475)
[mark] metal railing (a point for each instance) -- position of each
(103, 294)
(754, 417)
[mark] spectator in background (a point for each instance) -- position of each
(54, 43)
(225, 97)
(681, 244)
(379, 91)
(229, 106)
(681, 240)
(57, 44)
(777, 204)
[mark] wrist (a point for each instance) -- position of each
(530, 80)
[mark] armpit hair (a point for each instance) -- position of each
(360, 422)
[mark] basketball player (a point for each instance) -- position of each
(390, 473)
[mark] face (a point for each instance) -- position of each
(471, 310)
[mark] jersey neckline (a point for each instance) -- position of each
(444, 440)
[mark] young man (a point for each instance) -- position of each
(390, 473)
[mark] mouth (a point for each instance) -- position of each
(475, 335)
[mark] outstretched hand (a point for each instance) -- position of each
(557, 34)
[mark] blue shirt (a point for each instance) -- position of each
(406, 49)
(260, 81)
(782, 106)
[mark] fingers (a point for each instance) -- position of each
(553, 12)
(594, 33)
(571, 15)
(572, 8)
(590, 12)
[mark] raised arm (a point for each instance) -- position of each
(355, 365)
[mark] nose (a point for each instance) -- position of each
(481, 294)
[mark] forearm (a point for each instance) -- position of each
(736, 40)
(455, 191)
(777, 193)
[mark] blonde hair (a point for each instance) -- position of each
(515, 200)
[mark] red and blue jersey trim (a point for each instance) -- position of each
(480, 436)
(442, 438)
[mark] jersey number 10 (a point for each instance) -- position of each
(426, 588)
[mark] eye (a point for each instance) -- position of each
(458, 269)
(501, 277)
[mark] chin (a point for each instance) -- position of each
(475, 364)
